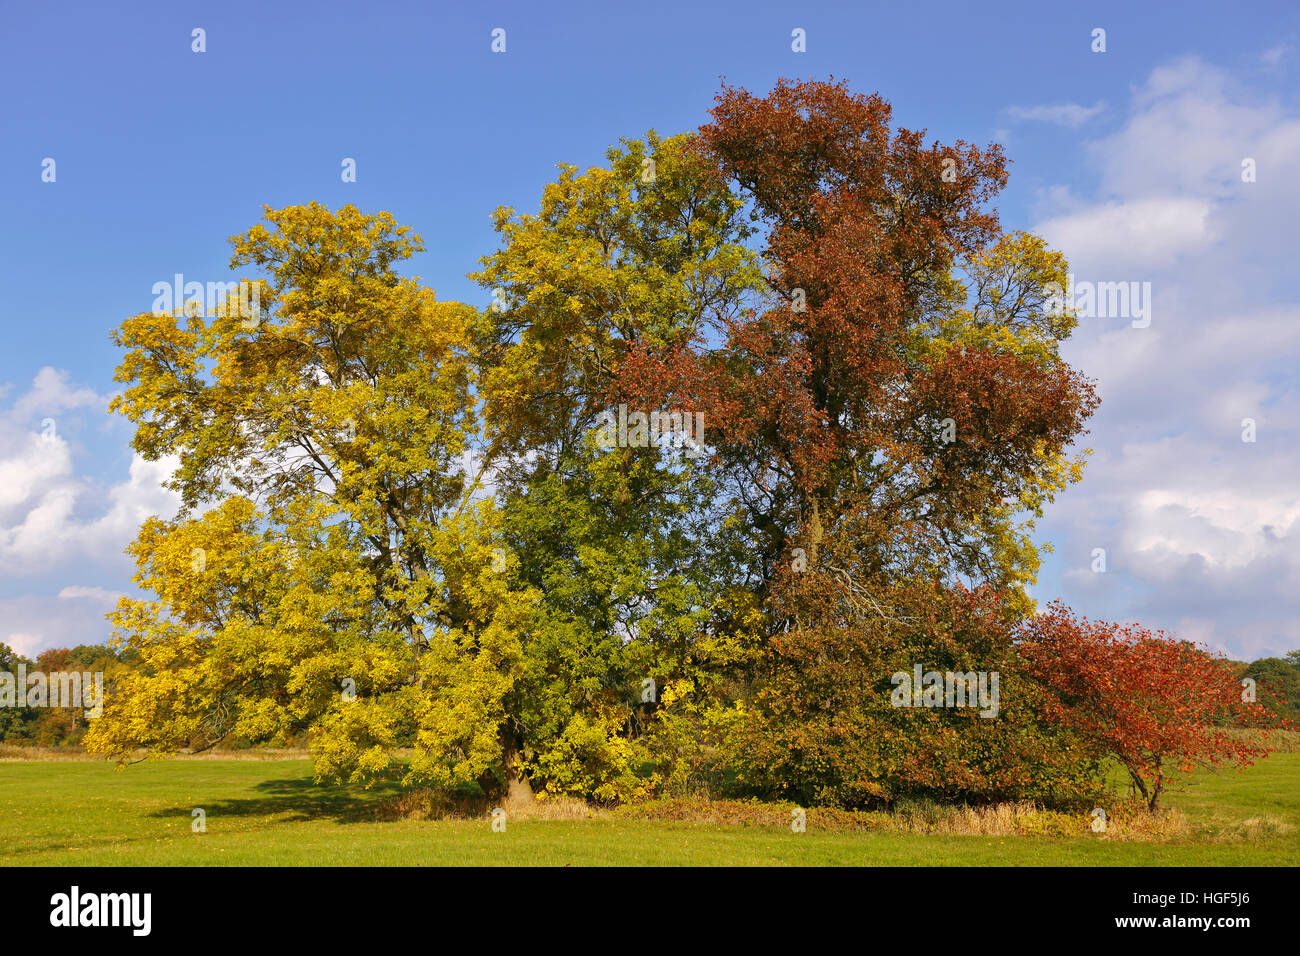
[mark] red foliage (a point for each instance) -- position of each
(1158, 705)
(822, 383)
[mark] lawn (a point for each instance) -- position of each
(269, 813)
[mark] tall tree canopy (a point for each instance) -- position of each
(901, 370)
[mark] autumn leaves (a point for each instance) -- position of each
(473, 518)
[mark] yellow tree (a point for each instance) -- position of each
(329, 571)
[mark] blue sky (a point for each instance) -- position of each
(1128, 160)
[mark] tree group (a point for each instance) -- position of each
(408, 537)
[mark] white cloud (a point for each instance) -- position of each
(1070, 115)
(134, 500)
(1202, 529)
(1225, 528)
(1134, 235)
(77, 592)
(34, 465)
(33, 623)
(49, 513)
(1190, 128)
(51, 393)
(55, 520)
(25, 644)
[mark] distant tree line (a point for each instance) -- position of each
(54, 726)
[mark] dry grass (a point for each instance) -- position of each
(1265, 827)
(11, 753)
(433, 805)
(260, 753)
(1125, 821)
(1280, 741)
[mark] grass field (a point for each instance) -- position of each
(268, 812)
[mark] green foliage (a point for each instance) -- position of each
(1278, 683)
(17, 724)
(58, 726)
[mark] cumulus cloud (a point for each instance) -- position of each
(48, 512)
(33, 623)
(1137, 234)
(56, 521)
(1201, 526)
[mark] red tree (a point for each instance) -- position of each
(871, 432)
(1158, 705)
(824, 398)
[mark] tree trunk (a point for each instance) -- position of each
(1139, 783)
(1158, 786)
(813, 532)
(517, 789)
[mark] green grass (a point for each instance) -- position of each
(270, 813)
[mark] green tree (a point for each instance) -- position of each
(617, 540)
(1278, 683)
(17, 724)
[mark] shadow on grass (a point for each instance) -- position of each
(299, 798)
